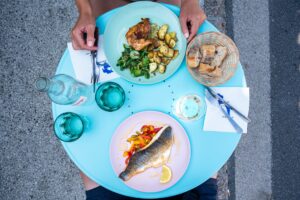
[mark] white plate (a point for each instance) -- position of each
(148, 181)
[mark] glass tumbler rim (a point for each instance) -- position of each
(202, 111)
(79, 135)
(103, 107)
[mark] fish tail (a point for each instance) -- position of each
(124, 176)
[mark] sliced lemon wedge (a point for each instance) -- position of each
(166, 174)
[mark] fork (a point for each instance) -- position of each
(95, 75)
(96, 72)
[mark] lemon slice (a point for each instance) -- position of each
(166, 174)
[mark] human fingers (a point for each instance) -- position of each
(193, 29)
(77, 39)
(75, 45)
(184, 27)
(90, 31)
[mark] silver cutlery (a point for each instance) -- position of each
(216, 96)
(231, 120)
(211, 98)
(95, 76)
(95, 72)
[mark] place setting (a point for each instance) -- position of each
(154, 106)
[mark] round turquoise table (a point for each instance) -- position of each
(209, 150)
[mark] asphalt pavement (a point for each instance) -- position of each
(285, 101)
(251, 163)
(266, 163)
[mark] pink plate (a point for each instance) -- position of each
(148, 181)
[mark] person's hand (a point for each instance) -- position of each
(84, 24)
(191, 17)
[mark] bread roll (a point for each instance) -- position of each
(216, 73)
(193, 58)
(221, 53)
(205, 68)
(207, 53)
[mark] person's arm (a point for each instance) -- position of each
(85, 24)
(87, 182)
(191, 17)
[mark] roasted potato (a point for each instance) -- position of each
(150, 47)
(172, 43)
(157, 59)
(176, 52)
(167, 38)
(161, 68)
(173, 35)
(162, 43)
(170, 53)
(162, 31)
(150, 54)
(160, 54)
(168, 62)
(154, 30)
(152, 67)
(165, 60)
(164, 49)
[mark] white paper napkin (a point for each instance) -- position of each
(83, 67)
(215, 120)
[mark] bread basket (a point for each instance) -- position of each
(228, 65)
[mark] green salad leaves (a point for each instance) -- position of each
(136, 61)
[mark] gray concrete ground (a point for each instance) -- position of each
(33, 164)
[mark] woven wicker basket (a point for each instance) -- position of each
(228, 65)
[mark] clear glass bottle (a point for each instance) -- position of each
(65, 90)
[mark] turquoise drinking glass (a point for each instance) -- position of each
(68, 127)
(110, 96)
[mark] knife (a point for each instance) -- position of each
(231, 120)
(216, 96)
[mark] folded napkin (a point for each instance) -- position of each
(215, 119)
(83, 66)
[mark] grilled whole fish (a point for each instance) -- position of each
(155, 154)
